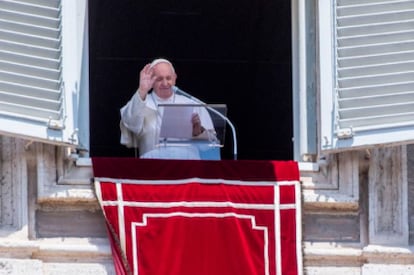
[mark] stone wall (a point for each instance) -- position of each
(357, 216)
(50, 221)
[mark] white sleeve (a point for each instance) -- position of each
(132, 114)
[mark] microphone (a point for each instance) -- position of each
(225, 118)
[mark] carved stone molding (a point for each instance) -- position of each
(334, 185)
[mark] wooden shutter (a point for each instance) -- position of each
(32, 94)
(373, 73)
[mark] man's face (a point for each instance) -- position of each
(164, 80)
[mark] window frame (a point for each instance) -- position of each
(75, 71)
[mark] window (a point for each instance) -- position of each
(40, 86)
(232, 52)
(366, 73)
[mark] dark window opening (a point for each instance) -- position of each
(232, 52)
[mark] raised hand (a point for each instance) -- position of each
(146, 81)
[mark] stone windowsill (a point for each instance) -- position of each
(77, 187)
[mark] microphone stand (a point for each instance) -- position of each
(233, 130)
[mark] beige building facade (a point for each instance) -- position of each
(356, 212)
(356, 162)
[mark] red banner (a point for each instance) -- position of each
(201, 217)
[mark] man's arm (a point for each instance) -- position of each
(198, 129)
(132, 113)
(203, 127)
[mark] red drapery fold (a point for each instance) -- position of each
(201, 217)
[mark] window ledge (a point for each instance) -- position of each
(73, 249)
(322, 186)
(308, 167)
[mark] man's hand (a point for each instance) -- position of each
(146, 81)
(197, 128)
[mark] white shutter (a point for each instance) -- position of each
(373, 74)
(32, 94)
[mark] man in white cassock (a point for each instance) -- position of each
(141, 117)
